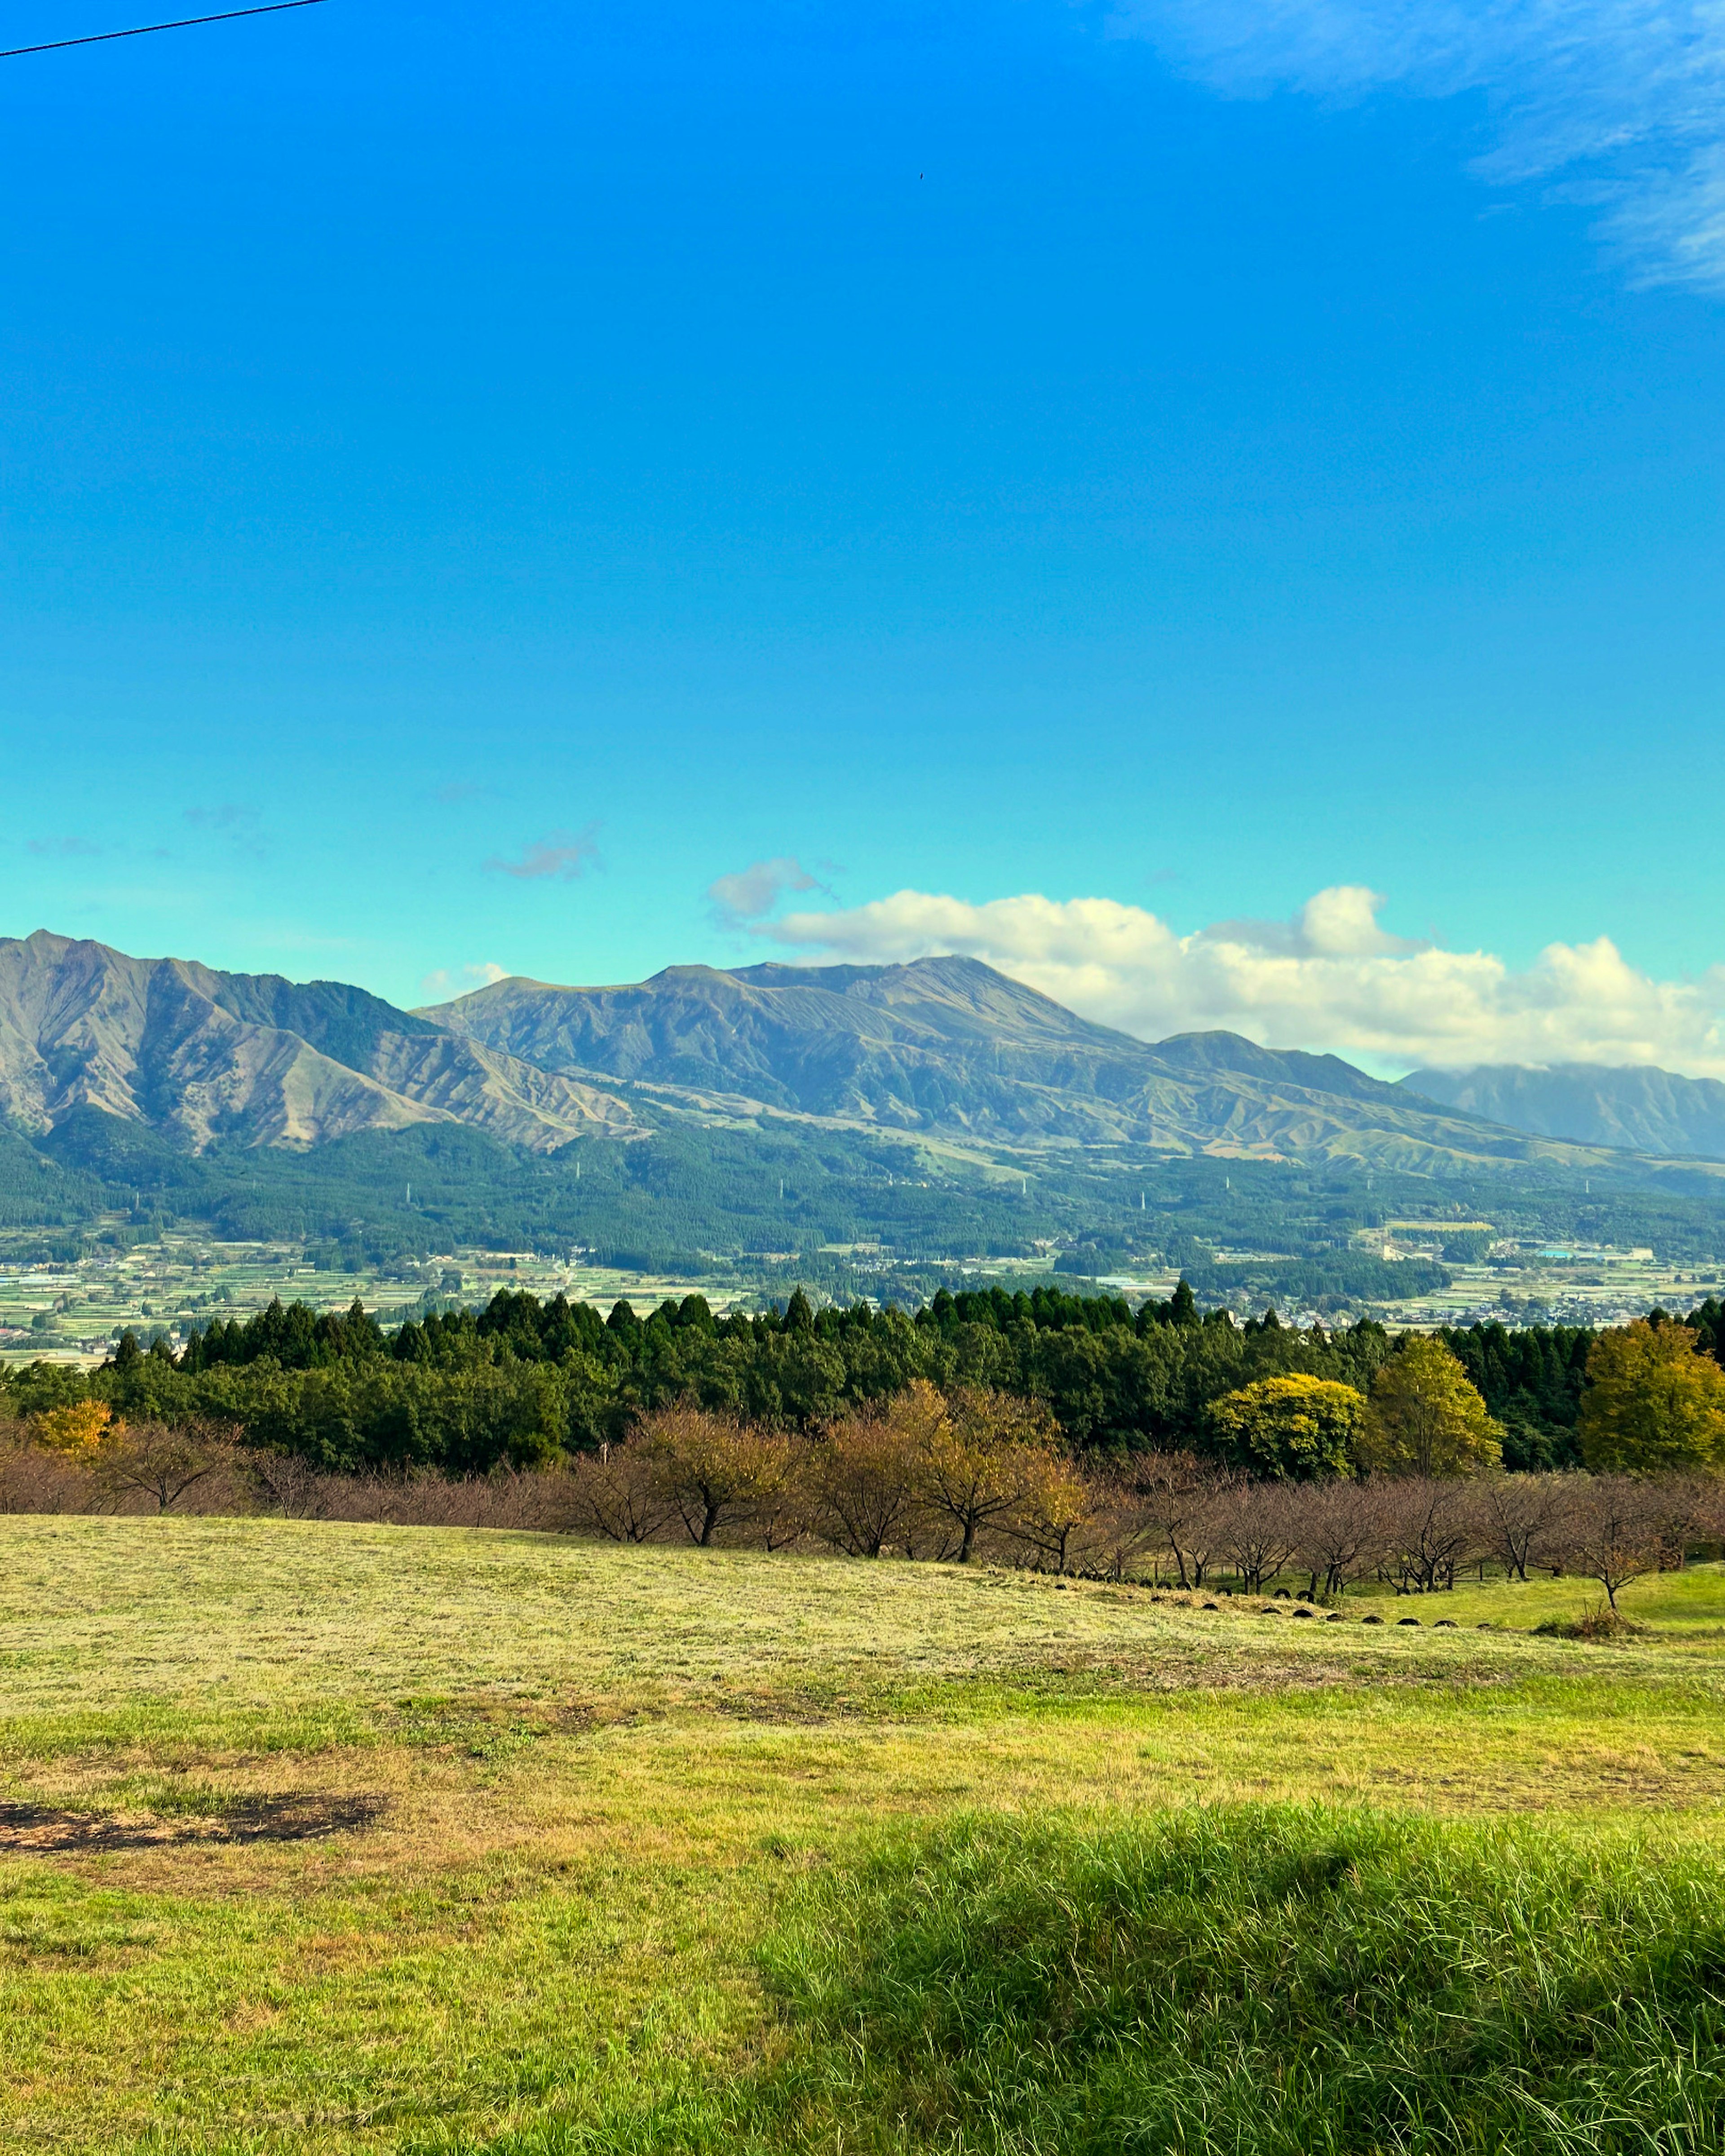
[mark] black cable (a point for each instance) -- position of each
(146, 29)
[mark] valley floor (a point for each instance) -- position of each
(332, 1838)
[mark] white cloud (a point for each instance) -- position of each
(1331, 978)
(1625, 99)
(449, 981)
(751, 892)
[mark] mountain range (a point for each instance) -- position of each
(947, 1048)
(1637, 1106)
(941, 1049)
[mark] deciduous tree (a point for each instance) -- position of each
(1618, 1526)
(983, 1460)
(1056, 1508)
(1426, 1417)
(1295, 1427)
(1654, 1405)
(718, 1472)
(863, 1475)
(158, 1461)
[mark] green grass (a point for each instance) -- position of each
(1675, 1607)
(1295, 1982)
(598, 1780)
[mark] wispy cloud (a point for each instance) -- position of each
(462, 789)
(1329, 978)
(1620, 101)
(747, 896)
(223, 816)
(563, 855)
(68, 847)
(450, 980)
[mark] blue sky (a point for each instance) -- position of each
(1216, 510)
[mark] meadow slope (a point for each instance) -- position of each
(336, 1838)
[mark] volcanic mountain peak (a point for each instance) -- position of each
(947, 1046)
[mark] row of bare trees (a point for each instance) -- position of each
(1177, 1518)
(146, 1467)
(925, 1476)
(948, 1477)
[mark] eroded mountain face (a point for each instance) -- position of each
(948, 1047)
(199, 1055)
(943, 1048)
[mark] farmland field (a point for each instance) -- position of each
(326, 1837)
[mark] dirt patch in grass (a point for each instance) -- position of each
(296, 1815)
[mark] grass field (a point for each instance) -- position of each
(322, 1837)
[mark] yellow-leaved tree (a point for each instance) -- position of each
(1294, 1427)
(1654, 1403)
(76, 1429)
(1425, 1416)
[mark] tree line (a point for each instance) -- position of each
(523, 1382)
(1410, 1498)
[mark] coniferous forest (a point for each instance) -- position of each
(522, 1383)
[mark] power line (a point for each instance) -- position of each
(148, 29)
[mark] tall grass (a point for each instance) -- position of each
(1261, 1981)
(1265, 1982)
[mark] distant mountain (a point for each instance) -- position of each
(942, 1049)
(1637, 1106)
(200, 1055)
(947, 1048)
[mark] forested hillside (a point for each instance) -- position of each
(774, 1123)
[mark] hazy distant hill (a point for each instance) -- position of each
(251, 1058)
(1639, 1106)
(948, 1047)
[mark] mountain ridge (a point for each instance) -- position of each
(1635, 1106)
(207, 1055)
(948, 1047)
(943, 1050)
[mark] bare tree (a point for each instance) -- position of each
(1619, 1526)
(1175, 1495)
(1339, 1532)
(1432, 1528)
(1260, 1531)
(1520, 1515)
(288, 1484)
(618, 1493)
(160, 1462)
(1123, 1526)
(34, 1478)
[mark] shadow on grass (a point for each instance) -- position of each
(1279, 1980)
(297, 1816)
